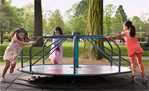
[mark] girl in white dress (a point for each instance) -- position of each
(19, 38)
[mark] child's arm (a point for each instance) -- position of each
(25, 43)
(30, 42)
(22, 42)
(116, 36)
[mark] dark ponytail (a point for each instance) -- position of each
(131, 28)
(128, 23)
(132, 32)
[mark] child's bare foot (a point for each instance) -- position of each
(133, 79)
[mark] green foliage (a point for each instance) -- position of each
(120, 17)
(81, 8)
(27, 17)
(77, 24)
(78, 17)
(9, 18)
(12, 17)
(108, 15)
(122, 13)
(55, 20)
(68, 50)
(139, 24)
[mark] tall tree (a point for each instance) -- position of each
(38, 21)
(146, 27)
(108, 14)
(139, 24)
(81, 8)
(121, 11)
(9, 19)
(120, 17)
(77, 24)
(95, 22)
(78, 19)
(27, 18)
(55, 20)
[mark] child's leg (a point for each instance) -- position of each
(135, 64)
(132, 64)
(55, 62)
(52, 61)
(13, 65)
(140, 64)
(6, 68)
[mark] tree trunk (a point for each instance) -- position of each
(38, 22)
(95, 23)
(1, 37)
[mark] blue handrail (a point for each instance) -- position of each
(76, 38)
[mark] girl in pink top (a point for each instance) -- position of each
(57, 53)
(133, 46)
(19, 38)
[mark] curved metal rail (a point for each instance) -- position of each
(76, 38)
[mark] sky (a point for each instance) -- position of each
(131, 7)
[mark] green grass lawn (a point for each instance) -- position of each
(146, 62)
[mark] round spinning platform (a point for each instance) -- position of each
(76, 69)
(68, 70)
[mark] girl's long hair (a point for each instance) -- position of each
(20, 30)
(132, 32)
(131, 27)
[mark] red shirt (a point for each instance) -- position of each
(132, 44)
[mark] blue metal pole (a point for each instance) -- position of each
(22, 59)
(119, 62)
(76, 51)
(30, 59)
(43, 59)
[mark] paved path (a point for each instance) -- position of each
(17, 82)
